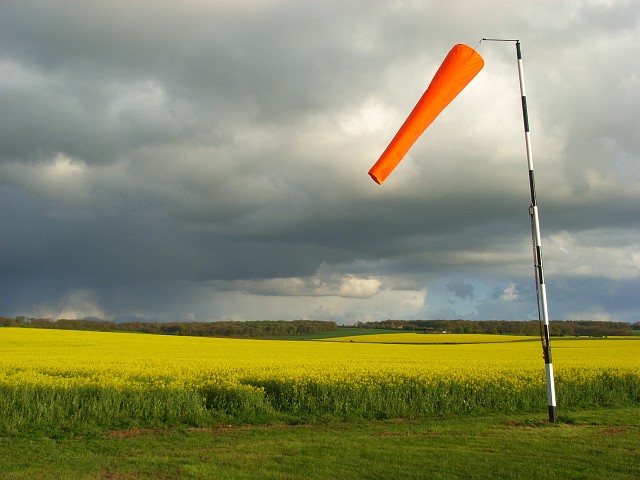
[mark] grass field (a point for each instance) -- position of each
(585, 445)
(336, 333)
(428, 338)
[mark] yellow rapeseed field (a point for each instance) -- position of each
(310, 379)
(430, 338)
(65, 357)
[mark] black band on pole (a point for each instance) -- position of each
(540, 274)
(532, 187)
(547, 349)
(525, 114)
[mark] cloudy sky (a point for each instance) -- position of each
(207, 160)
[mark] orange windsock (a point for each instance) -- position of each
(457, 70)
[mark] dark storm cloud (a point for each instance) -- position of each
(208, 160)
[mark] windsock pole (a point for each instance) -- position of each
(541, 291)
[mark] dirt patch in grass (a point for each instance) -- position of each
(614, 431)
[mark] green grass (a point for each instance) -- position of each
(583, 445)
(337, 333)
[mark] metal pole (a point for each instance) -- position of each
(541, 291)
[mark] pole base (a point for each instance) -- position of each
(553, 414)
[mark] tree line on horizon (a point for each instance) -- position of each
(292, 328)
(261, 328)
(592, 328)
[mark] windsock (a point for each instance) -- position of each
(456, 71)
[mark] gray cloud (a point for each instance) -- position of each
(460, 289)
(203, 160)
